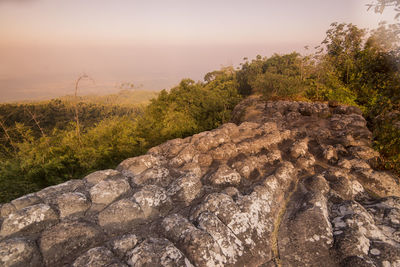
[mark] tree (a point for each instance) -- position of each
(380, 5)
(343, 43)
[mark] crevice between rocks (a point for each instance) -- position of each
(277, 223)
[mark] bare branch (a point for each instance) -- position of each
(35, 120)
(84, 76)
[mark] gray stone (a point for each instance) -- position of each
(185, 189)
(19, 252)
(25, 201)
(122, 245)
(157, 252)
(59, 243)
(49, 193)
(31, 219)
(6, 209)
(121, 216)
(96, 177)
(139, 164)
(198, 246)
(184, 156)
(72, 204)
(224, 152)
(231, 247)
(154, 176)
(105, 192)
(153, 201)
(95, 257)
(225, 176)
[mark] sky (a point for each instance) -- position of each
(46, 44)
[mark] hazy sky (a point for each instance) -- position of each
(45, 44)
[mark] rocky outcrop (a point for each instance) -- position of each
(287, 184)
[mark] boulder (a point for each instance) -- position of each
(96, 257)
(157, 252)
(96, 177)
(72, 204)
(105, 192)
(32, 219)
(19, 252)
(66, 240)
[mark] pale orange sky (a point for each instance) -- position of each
(46, 44)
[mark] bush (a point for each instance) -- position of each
(277, 85)
(63, 154)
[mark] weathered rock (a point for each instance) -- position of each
(330, 154)
(137, 165)
(19, 252)
(210, 141)
(95, 257)
(72, 204)
(122, 245)
(6, 209)
(308, 213)
(299, 148)
(154, 176)
(200, 248)
(246, 167)
(292, 184)
(224, 176)
(356, 233)
(171, 148)
(231, 247)
(204, 160)
(25, 201)
(153, 201)
(157, 252)
(96, 177)
(121, 216)
(105, 192)
(379, 183)
(186, 188)
(59, 243)
(49, 193)
(224, 152)
(31, 219)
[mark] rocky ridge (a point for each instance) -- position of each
(287, 184)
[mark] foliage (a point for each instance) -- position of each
(107, 138)
(380, 5)
(190, 108)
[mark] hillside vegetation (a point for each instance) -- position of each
(44, 144)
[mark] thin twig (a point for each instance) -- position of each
(35, 120)
(82, 77)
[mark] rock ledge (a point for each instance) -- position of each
(290, 184)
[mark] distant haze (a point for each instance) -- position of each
(46, 44)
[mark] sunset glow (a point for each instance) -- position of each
(45, 44)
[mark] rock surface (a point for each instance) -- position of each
(286, 184)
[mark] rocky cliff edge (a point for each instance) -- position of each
(290, 184)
